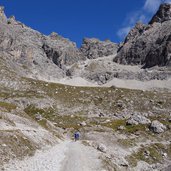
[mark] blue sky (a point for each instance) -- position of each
(76, 19)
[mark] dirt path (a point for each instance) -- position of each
(81, 158)
(66, 156)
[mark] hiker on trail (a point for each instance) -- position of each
(76, 135)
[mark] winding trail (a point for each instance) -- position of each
(66, 156)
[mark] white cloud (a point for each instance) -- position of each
(123, 32)
(130, 22)
(143, 15)
(168, 1)
(142, 18)
(151, 5)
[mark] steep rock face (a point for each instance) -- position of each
(61, 51)
(163, 14)
(94, 48)
(2, 14)
(44, 55)
(137, 31)
(149, 45)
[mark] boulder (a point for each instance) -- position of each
(157, 127)
(138, 119)
(121, 128)
(102, 148)
(38, 117)
(83, 123)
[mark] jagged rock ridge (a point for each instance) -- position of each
(53, 57)
(149, 45)
(163, 14)
(94, 48)
(45, 55)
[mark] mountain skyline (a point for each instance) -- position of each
(76, 20)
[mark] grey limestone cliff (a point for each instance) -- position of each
(149, 45)
(94, 48)
(44, 55)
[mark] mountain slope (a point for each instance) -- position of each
(129, 129)
(34, 52)
(149, 45)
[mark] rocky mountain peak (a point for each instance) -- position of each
(1, 9)
(149, 45)
(12, 20)
(2, 14)
(163, 14)
(93, 48)
(54, 35)
(136, 31)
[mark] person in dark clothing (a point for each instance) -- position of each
(76, 135)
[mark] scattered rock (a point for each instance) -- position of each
(101, 115)
(138, 119)
(120, 104)
(121, 128)
(164, 154)
(107, 121)
(157, 127)
(122, 162)
(113, 87)
(83, 123)
(102, 148)
(38, 117)
(4, 145)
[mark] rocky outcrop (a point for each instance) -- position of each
(94, 48)
(102, 148)
(157, 127)
(162, 15)
(2, 14)
(43, 55)
(61, 51)
(149, 45)
(138, 119)
(137, 31)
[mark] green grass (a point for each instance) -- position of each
(102, 97)
(7, 106)
(127, 142)
(108, 164)
(32, 110)
(63, 121)
(66, 121)
(155, 154)
(115, 124)
(17, 145)
(46, 113)
(135, 128)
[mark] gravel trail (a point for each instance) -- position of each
(65, 156)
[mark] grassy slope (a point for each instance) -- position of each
(72, 105)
